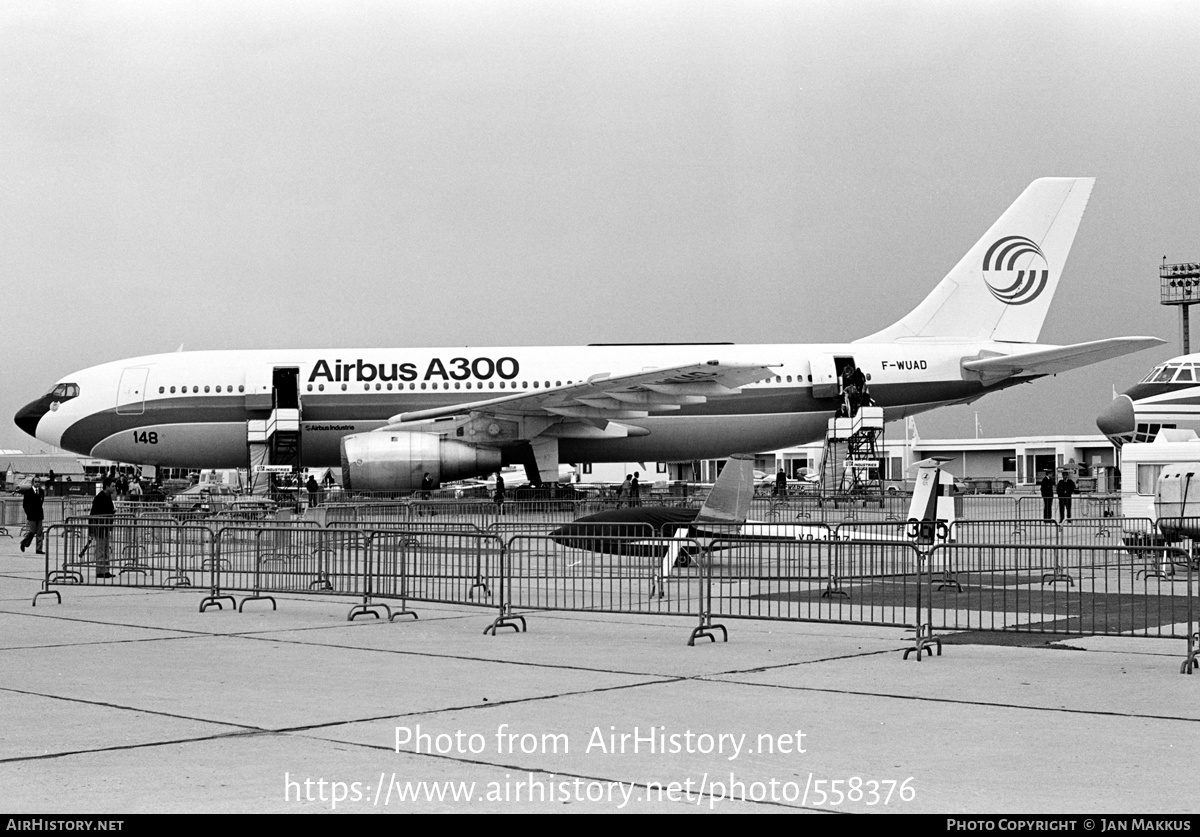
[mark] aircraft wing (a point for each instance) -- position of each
(606, 397)
(1057, 359)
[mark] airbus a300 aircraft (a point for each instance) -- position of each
(390, 416)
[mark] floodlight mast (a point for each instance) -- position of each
(1179, 284)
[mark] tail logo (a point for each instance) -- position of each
(1007, 284)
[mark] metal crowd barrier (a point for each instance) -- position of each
(1115, 590)
(539, 572)
(121, 552)
(1079, 532)
(859, 573)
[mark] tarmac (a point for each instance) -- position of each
(122, 701)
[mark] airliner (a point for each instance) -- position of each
(393, 417)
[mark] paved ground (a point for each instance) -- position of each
(124, 701)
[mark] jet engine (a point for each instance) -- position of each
(397, 461)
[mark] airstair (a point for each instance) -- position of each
(273, 439)
(850, 463)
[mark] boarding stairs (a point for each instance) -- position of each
(850, 463)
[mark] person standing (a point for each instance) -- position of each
(1066, 487)
(623, 491)
(499, 495)
(781, 484)
(32, 499)
(100, 526)
(314, 490)
(635, 491)
(1047, 487)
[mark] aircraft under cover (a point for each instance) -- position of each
(389, 416)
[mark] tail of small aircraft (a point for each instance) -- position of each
(726, 507)
(729, 500)
(1002, 288)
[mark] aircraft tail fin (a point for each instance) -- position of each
(1002, 288)
(729, 500)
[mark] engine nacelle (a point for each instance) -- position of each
(397, 461)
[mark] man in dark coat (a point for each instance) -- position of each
(1066, 487)
(1047, 487)
(31, 501)
(100, 526)
(499, 496)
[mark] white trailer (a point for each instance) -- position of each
(1142, 465)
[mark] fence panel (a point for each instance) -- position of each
(451, 567)
(547, 573)
(124, 552)
(1141, 591)
(859, 582)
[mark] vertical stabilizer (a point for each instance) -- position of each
(729, 500)
(1002, 288)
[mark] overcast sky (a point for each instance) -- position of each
(295, 174)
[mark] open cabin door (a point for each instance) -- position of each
(827, 372)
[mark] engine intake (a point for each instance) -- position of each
(397, 461)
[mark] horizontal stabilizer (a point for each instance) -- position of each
(1057, 359)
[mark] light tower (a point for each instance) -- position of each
(1179, 284)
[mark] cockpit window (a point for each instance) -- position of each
(62, 392)
(1165, 374)
(1185, 374)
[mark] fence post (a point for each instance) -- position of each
(705, 628)
(924, 630)
(506, 618)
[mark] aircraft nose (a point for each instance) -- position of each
(1118, 419)
(27, 417)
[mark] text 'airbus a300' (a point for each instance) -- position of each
(390, 416)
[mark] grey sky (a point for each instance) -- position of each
(522, 173)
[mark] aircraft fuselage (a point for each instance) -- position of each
(190, 409)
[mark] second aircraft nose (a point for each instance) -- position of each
(1118, 420)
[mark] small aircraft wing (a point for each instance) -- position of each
(607, 397)
(1055, 360)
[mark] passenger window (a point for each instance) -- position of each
(1147, 478)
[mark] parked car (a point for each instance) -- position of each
(207, 500)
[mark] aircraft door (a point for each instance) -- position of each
(285, 381)
(827, 373)
(131, 392)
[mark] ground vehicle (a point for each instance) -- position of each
(206, 500)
